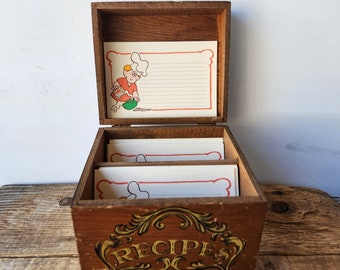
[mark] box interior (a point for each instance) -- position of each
(97, 157)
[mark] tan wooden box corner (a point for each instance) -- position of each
(171, 233)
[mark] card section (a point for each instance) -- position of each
(146, 182)
(151, 150)
(166, 168)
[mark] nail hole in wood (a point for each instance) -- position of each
(269, 266)
(280, 207)
(278, 192)
(65, 201)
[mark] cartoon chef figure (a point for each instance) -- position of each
(124, 89)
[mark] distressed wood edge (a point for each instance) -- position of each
(329, 262)
(315, 262)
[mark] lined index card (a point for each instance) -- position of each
(142, 182)
(166, 149)
(161, 79)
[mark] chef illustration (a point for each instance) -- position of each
(124, 89)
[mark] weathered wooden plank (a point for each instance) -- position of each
(33, 223)
(301, 229)
(329, 262)
(61, 263)
(264, 263)
(300, 221)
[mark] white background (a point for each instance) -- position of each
(283, 101)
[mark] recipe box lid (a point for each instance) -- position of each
(160, 23)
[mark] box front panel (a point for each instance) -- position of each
(223, 236)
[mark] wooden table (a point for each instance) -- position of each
(302, 229)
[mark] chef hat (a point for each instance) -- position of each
(138, 65)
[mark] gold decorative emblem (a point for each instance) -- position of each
(165, 247)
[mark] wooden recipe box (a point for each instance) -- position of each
(172, 232)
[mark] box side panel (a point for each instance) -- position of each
(85, 186)
(223, 22)
(226, 235)
(248, 183)
(157, 132)
(97, 25)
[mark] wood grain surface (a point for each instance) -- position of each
(302, 228)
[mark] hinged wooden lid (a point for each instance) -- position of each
(159, 23)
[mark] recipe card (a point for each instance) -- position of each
(143, 182)
(161, 79)
(174, 149)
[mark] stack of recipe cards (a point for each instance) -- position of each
(164, 181)
(178, 149)
(157, 180)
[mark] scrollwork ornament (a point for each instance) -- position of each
(202, 222)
